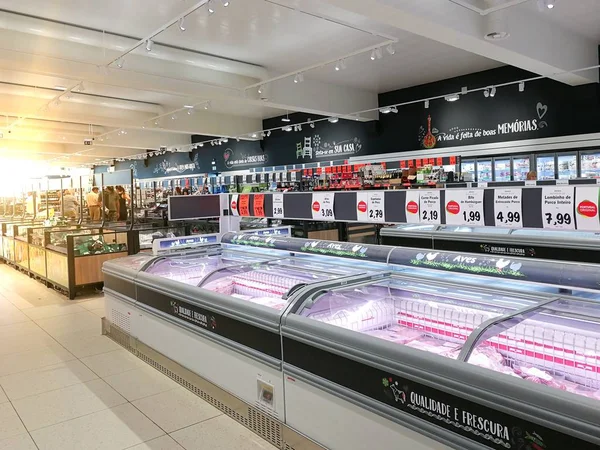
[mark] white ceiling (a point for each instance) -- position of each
(221, 59)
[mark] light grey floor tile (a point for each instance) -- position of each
(111, 363)
(18, 329)
(10, 424)
(65, 404)
(37, 381)
(44, 312)
(116, 428)
(96, 303)
(139, 383)
(10, 316)
(100, 312)
(82, 344)
(22, 343)
(71, 323)
(19, 442)
(176, 409)
(3, 397)
(220, 433)
(33, 359)
(161, 443)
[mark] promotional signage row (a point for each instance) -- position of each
(562, 207)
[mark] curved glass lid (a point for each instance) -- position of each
(435, 319)
(269, 283)
(415, 227)
(133, 262)
(557, 234)
(467, 229)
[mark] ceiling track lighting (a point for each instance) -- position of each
(174, 117)
(522, 86)
(268, 133)
(373, 56)
(390, 49)
(225, 140)
(149, 44)
(288, 128)
(207, 105)
(261, 88)
(226, 3)
(190, 111)
(493, 91)
(209, 5)
(486, 93)
(334, 119)
(452, 97)
(299, 78)
(182, 24)
(426, 104)
(120, 63)
(546, 4)
(254, 135)
(201, 144)
(286, 118)
(385, 110)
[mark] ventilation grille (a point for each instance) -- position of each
(121, 320)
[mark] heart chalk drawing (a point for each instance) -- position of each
(541, 110)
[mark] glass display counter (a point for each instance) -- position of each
(36, 243)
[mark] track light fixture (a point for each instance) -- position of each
(426, 104)
(182, 24)
(340, 65)
(120, 63)
(390, 49)
(452, 97)
(211, 10)
(174, 117)
(207, 105)
(299, 78)
(190, 111)
(149, 44)
(311, 123)
(286, 118)
(486, 93)
(81, 87)
(225, 140)
(263, 135)
(385, 110)
(225, 3)
(288, 128)
(237, 139)
(254, 135)
(546, 4)
(334, 119)
(522, 86)
(493, 91)
(269, 133)
(373, 56)
(201, 144)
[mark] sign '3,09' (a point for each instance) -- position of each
(322, 206)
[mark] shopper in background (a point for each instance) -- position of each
(124, 201)
(532, 175)
(70, 204)
(93, 201)
(111, 203)
(29, 209)
(178, 191)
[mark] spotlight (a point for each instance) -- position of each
(390, 49)
(81, 87)
(269, 133)
(237, 139)
(182, 24)
(334, 119)
(299, 78)
(311, 123)
(337, 66)
(156, 123)
(493, 92)
(385, 110)
(546, 4)
(522, 86)
(174, 117)
(225, 140)
(207, 105)
(378, 53)
(486, 93)
(225, 3)
(452, 98)
(190, 111)
(394, 110)
(149, 44)
(254, 135)
(201, 144)
(260, 89)
(373, 56)
(211, 10)
(426, 104)
(286, 118)
(120, 63)
(288, 128)
(263, 134)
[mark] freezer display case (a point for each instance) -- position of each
(484, 170)
(577, 246)
(502, 169)
(567, 166)
(590, 164)
(545, 165)
(521, 167)
(467, 169)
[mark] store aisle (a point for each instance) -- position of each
(65, 386)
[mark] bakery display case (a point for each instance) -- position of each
(74, 258)
(530, 243)
(36, 247)
(9, 231)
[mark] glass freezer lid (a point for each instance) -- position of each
(433, 318)
(560, 234)
(133, 262)
(269, 283)
(556, 345)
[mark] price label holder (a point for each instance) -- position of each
(530, 183)
(562, 182)
(508, 208)
(244, 206)
(429, 203)
(322, 206)
(558, 205)
(259, 205)
(234, 205)
(464, 207)
(278, 212)
(362, 206)
(376, 207)
(412, 208)
(587, 199)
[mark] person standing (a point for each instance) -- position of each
(93, 201)
(111, 203)
(70, 204)
(124, 201)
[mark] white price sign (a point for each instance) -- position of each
(429, 203)
(508, 208)
(376, 206)
(412, 206)
(293, 176)
(234, 205)
(464, 207)
(558, 206)
(362, 206)
(278, 206)
(586, 207)
(322, 206)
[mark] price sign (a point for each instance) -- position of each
(464, 207)
(362, 206)
(259, 205)
(278, 206)
(244, 206)
(322, 206)
(234, 205)
(293, 176)
(412, 207)
(558, 203)
(508, 208)
(429, 202)
(376, 206)
(586, 208)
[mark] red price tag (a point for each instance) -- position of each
(383, 165)
(411, 163)
(259, 205)
(419, 163)
(440, 162)
(403, 164)
(453, 160)
(319, 171)
(243, 206)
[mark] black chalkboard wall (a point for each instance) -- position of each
(545, 109)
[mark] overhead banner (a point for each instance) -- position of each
(558, 207)
(508, 208)
(322, 206)
(464, 207)
(586, 208)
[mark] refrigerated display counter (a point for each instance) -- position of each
(581, 246)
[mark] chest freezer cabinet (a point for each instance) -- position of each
(432, 366)
(579, 246)
(216, 312)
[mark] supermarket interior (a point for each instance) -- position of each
(299, 224)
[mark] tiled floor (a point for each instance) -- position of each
(65, 386)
